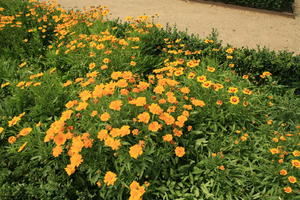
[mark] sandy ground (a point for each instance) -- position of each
(236, 27)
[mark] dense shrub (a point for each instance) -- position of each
(278, 5)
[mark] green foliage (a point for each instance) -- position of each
(278, 5)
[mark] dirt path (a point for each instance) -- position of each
(236, 27)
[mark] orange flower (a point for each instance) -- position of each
(288, 189)
(144, 117)
(221, 167)
(167, 138)
(136, 191)
(135, 151)
(140, 101)
(292, 179)
(56, 151)
(154, 126)
(82, 106)
(155, 109)
(60, 139)
(234, 100)
(185, 90)
(116, 105)
(110, 178)
(105, 117)
(76, 159)
(274, 151)
(179, 151)
(197, 102)
(114, 144)
(296, 153)
(12, 139)
(22, 147)
(159, 89)
(70, 169)
(25, 131)
(296, 163)
(103, 135)
(283, 172)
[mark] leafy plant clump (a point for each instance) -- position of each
(103, 109)
(277, 5)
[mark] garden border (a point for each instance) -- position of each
(284, 14)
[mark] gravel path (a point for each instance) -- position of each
(236, 27)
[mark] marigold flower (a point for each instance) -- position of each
(22, 147)
(116, 105)
(155, 109)
(167, 138)
(283, 172)
(274, 151)
(221, 167)
(154, 126)
(136, 191)
(110, 178)
(66, 84)
(288, 189)
(135, 151)
(103, 135)
(70, 169)
(114, 144)
(105, 117)
(82, 106)
(56, 151)
(12, 139)
(179, 151)
(25, 131)
(144, 117)
(140, 101)
(197, 102)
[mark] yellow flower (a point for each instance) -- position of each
(211, 69)
(296, 163)
(201, 79)
(292, 179)
(110, 178)
(296, 153)
(234, 100)
(232, 90)
(1, 130)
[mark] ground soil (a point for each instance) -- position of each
(236, 27)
